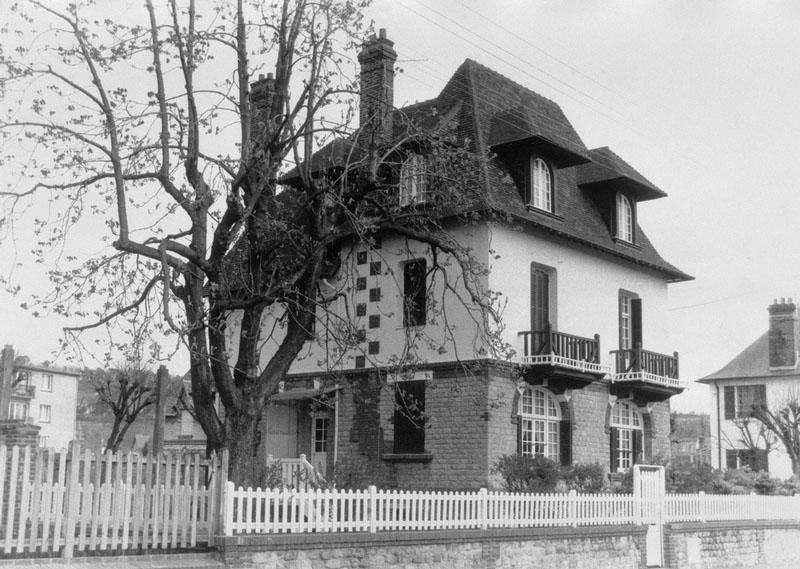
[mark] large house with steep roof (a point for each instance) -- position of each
(767, 372)
(593, 368)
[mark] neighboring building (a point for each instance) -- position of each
(46, 396)
(765, 372)
(586, 310)
(690, 439)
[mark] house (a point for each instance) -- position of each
(46, 396)
(765, 373)
(586, 308)
(690, 439)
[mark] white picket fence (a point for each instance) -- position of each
(75, 501)
(291, 510)
(283, 510)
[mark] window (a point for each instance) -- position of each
(541, 185)
(630, 320)
(741, 399)
(626, 436)
(539, 424)
(44, 440)
(47, 382)
(409, 417)
(415, 293)
(321, 425)
(375, 268)
(44, 413)
(413, 180)
(754, 459)
(19, 411)
(625, 223)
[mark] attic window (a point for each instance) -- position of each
(541, 185)
(413, 180)
(624, 219)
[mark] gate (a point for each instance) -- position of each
(648, 492)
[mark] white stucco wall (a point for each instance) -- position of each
(587, 290)
(63, 401)
(726, 435)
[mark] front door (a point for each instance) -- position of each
(320, 427)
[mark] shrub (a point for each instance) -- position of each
(588, 478)
(523, 473)
(355, 472)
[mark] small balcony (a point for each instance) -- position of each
(23, 391)
(558, 355)
(648, 375)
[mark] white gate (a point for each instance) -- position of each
(648, 491)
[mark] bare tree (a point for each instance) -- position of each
(782, 421)
(129, 127)
(753, 437)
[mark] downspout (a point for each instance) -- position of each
(336, 426)
(719, 430)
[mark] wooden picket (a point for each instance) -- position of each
(72, 502)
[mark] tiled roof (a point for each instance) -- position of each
(752, 362)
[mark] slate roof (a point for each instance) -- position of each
(752, 362)
(489, 112)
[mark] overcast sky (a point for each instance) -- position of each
(700, 97)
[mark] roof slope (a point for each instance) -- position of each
(751, 362)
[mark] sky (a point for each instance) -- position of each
(700, 97)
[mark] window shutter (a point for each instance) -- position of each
(613, 443)
(540, 301)
(636, 321)
(565, 442)
(638, 447)
(730, 403)
(730, 459)
(760, 395)
(760, 460)
(519, 435)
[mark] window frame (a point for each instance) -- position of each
(14, 416)
(415, 303)
(630, 324)
(739, 407)
(541, 174)
(540, 417)
(408, 437)
(45, 417)
(624, 428)
(625, 213)
(413, 180)
(47, 382)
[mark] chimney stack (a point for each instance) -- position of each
(261, 95)
(377, 59)
(783, 334)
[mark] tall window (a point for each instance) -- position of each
(415, 293)
(740, 400)
(541, 185)
(409, 417)
(626, 436)
(321, 425)
(624, 219)
(413, 180)
(539, 424)
(44, 413)
(47, 382)
(630, 320)
(18, 411)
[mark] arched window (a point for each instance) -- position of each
(624, 218)
(541, 185)
(539, 417)
(413, 180)
(626, 436)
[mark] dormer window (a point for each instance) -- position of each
(541, 185)
(413, 180)
(625, 221)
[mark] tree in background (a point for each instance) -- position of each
(148, 135)
(782, 421)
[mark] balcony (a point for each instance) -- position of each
(24, 391)
(648, 375)
(573, 359)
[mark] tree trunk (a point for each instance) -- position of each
(241, 428)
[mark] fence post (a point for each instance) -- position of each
(72, 502)
(373, 509)
(572, 500)
(483, 494)
(702, 503)
(227, 508)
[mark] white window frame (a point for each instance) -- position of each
(540, 423)
(625, 231)
(45, 413)
(541, 185)
(413, 180)
(319, 434)
(47, 382)
(625, 321)
(627, 419)
(18, 411)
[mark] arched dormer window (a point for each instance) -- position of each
(541, 185)
(413, 180)
(625, 222)
(626, 436)
(539, 426)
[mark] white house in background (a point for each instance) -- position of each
(46, 396)
(765, 372)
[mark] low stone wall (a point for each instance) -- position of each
(155, 561)
(606, 547)
(732, 545)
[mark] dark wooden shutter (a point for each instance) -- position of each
(565, 442)
(613, 443)
(540, 307)
(730, 402)
(730, 459)
(636, 321)
(409, 427)
(638, 447)
(519, 435)
(760, 460)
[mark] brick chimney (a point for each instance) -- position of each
(377, 60)
(261, 94)
(783, 334)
